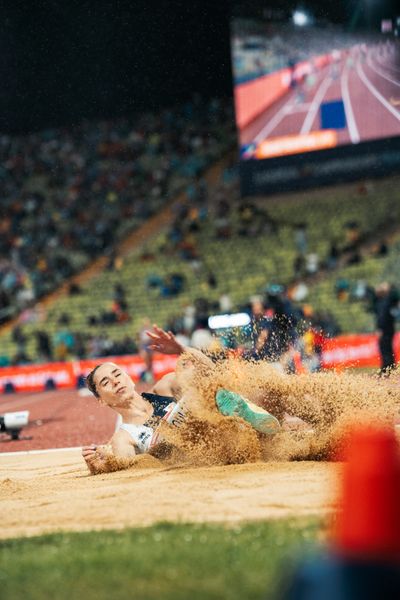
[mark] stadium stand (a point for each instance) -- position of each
(218, 250)
(259, 49)
(68, 195)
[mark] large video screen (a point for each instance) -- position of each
(300, 89)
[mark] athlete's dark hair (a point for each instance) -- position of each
(90, 382)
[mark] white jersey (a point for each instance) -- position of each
(141, 435)
(144, 436)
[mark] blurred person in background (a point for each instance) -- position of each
(300, 238)
(281, 333)
(201, 338)
(43, 346)
(385, 305)
(63, 339)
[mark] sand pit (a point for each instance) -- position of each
(239, 475)
(48, 492)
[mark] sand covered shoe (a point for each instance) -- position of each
(231, 404)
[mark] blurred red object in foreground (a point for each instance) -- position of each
(363, 560)
(369, 522)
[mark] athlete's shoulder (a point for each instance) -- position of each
(122, 443)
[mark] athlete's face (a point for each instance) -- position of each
(114, 386)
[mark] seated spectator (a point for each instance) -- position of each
(359, 290)
(173, 285)
(312, 263)
(153, 281)
(222, 221)
(4, 361)
(188, 317)
(299, 266)
(212, 280)
(246, 213)
(300, 238)
(119, 293)
(298, 292)
(80, 346)
(333, 256)
(352, 235)
(20, 340)
(21, 358)
(202, 306)
(64, 339)
(225, 303)
(182, 338)
(6, 309)
(382, 250)
(342, 288)
(188, 248)
(74, 289)
(354, 257)
(118, 313)
(120, 309)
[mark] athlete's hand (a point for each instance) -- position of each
(94, 457)
(164, 341)
(89, 452)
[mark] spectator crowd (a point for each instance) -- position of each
(69, 195)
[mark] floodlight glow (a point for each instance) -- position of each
(227, 321)
(300, 18)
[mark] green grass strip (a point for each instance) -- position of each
(163, 562)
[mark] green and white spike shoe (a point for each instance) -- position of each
(231, 404)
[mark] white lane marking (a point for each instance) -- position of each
(118, 422)
(348, 109)
(386, 64)
(375, 92)
(298, 108)
(272, 123)
(49, 450)
(315, 104)
(381, 73)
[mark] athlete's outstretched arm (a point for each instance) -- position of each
(164, 341)
(116, 455)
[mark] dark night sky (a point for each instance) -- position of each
(61, 60)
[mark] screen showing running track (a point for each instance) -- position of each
(301, 89)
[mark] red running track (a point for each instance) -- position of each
(58, 419)
(366, 78)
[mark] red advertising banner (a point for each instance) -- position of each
(254, 97)
(357, 350)
(33, 378)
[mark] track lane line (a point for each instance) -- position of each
(351, 122)
(380, 60)
(379, 72)
(315, 104)
(298, 108)
(274, 121)
(375, 92)
(49, 450)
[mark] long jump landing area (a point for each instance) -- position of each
(45, 485)
(52, 491)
